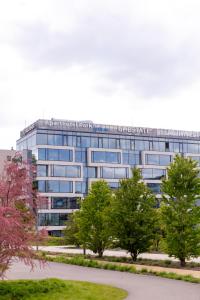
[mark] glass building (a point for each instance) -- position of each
(72, 154)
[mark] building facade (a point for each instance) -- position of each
(72, 154)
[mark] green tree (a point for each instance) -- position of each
(71, 231)
(92, 221)
(132, 216)
(180, 215)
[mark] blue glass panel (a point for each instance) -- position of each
(80, 156)
(125, 144)
(155, 187)
(41, 186)
(41, 139)
(73, 171)
(141, 145)
(94, 142)
(147, 173)
(152, 159)
(108, 173)
(42, 170)
(158, 146)
(66, 187)
(165, 160)
(65, 155)
(91, 172)
(98, 156)
(113, 157)
(85, 141)
(120, 173)
(125, 156)
(53, 186)
(112, 143)
(193, 148)
(158, 174)
(105, 143)
(80, 187)
(41, 154)
(52, 154)
(59, 171)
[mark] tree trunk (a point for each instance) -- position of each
(182, 262)
(100, 253)
(84, 251)
(134, 256)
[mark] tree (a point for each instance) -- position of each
(18, 200)
(91, 218)
(132, 216)
(71, 231)
(180, 214)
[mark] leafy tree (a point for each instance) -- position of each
(132, 215)
(180, 215)
(18, 200)
(71, 231)
(91, 218)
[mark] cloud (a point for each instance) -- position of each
(144, 57)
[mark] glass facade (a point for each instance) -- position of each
(71, 155)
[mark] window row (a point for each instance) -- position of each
(52, 219)
(114, 173)
(158, 159)
(131, 158)
(55, 154)
(64, 203)
(116, 143)
(153, 173)
(59, 171)
(106, 157)
(61, 186)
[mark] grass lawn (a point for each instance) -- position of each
(56, 289)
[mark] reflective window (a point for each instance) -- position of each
(105, 143)
(114, 173)
(64, 203)
(52, 154)
(90, 172)
(94, 142)
(80, 187)
(55, 139)
(73, 171)
(155, 187)
(85, 141)
(41, 139)
(80, 156)
(59, 154)
(153, 173)
(141, 145)
(125, 144)
(52, 219)
(59, 171)
(112, 143)
(174, 147)
(41, 154)
(158, 159)
(42, 170)
(158, 146)
(41, 186)
(106, 157)
(193, 148)
(55, 186)
(113, 185)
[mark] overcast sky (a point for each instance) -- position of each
(125, 62)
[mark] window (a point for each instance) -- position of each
(52, 154)
(55, 186)
(125, 144)
(42, 154)
(94, 142)
(85, 141)
(41, 139)
(42, 170)
(80, 156)
(80, 187)
(114, 173)
(59, 154)
(141, 145)
(42, 186)
(90, 172)
(64, 203)
(113, 185)
(73, 171)
(158, 146)
(55, 139)
(193, 148)
(155, 187)
(158, 159)
(52, 219)
(106, 157)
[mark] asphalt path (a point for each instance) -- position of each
(139, 287)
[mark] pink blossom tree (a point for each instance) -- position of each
(19, 202)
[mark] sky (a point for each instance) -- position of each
(122, 62)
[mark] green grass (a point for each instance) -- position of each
(56, 289)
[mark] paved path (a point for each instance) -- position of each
(139, 287)
(117, 253)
